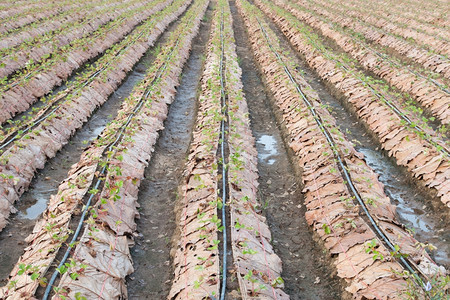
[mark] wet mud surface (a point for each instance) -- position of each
(157, 196)
(306, 270)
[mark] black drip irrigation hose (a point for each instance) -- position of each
(50, 111)
(399, 113)
(224, 167)
(384, 56)
(103, 172)
(343, 167)
(10, 86)
(392, 106)
(397, 36)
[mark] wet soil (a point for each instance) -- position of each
(34, 201)
(416, 209)
(306, 269)
(413, 207)
(152, 277)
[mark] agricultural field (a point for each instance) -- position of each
(224, 149)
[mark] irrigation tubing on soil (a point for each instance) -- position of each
(343, 168)
(385, 57)
(87, 81)
(103, 172)
(224, 167)
(394, 108)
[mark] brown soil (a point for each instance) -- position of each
(307, 269)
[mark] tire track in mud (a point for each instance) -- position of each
(33, 202)
(416, 209)
(280, 191)
(151, 254)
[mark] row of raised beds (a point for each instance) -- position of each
(23, 60)
(49, 28)
(221, 182)
(410, 21)
(405, 50)
(435, 15)
(104, 185)
(429, 41)
(346, 204)
(28, 147)
(35, 13)
(425, 156)
(430, 95)
(36, 80)
(310, 72)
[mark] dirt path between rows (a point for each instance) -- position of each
(151, 255)
(305, 268)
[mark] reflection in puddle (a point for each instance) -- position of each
(37, 208)
(410, 206)
(40, 191)
(270, 149)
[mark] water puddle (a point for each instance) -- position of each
(411, 206)
(41, 197)
(269, 153)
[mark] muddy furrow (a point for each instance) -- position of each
(157, 194)
(19, 94)
(30, 35)
(425, 157)
(335, 186)
(433, 98)
(31, 151)
(306, 272)
(129, 140)
(25, 61)
(405, 51)
(224, 135)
